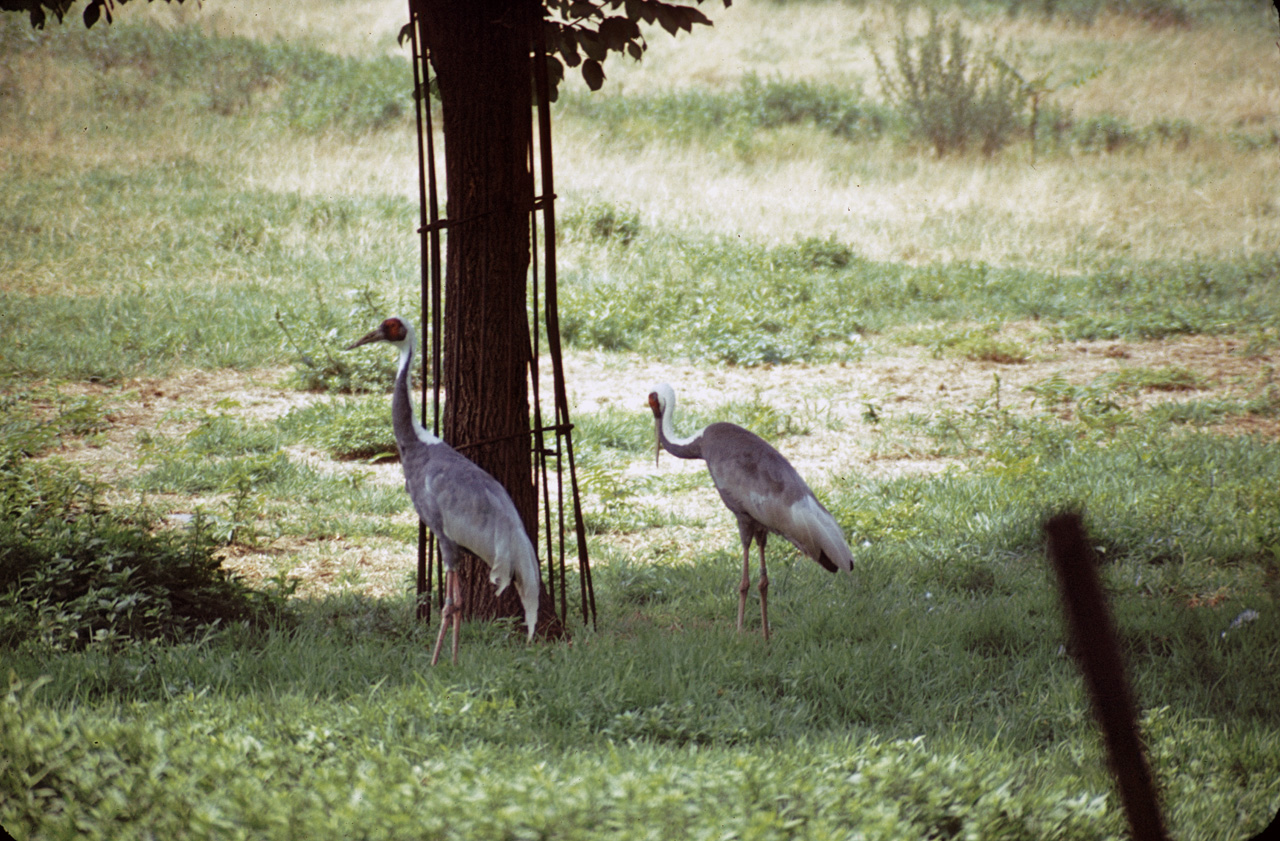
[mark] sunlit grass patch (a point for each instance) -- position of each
(220, 262)
(974, 343)
(749, 304)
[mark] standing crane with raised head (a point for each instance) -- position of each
(762, 490)
(461, 504)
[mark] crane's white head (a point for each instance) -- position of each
(395, 330)
(662, 401)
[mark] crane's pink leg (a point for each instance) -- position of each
(457, 616)
(746, 583)
(447, 614)
(764, 594)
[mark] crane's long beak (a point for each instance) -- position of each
(374, 335)
(656, 408)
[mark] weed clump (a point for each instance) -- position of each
(356, 429)
(602, 222)
(950, 96)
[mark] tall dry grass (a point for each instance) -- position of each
(1061, 211)
(351, 27)
(1206, 198)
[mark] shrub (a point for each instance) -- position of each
(979, 344)
(814, 253)
(949, 96)
(834, 109)
(1105, 133)
(74, 573)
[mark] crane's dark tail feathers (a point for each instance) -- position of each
(827, 564)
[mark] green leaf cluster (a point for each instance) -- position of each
(319, 332)
(24, 433)
(582, 33)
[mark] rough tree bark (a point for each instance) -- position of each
(479, 51)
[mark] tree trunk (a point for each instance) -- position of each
(479, 50)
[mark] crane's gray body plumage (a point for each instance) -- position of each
(461, 503)
(767, 495)
(464, 506)
(760, 487)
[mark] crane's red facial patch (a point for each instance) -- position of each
(394, 330)
(654, 403)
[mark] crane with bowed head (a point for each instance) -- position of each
(761, 488)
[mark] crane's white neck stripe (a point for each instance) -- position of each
(669, 431)
(406, 359)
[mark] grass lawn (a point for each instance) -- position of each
(205, 612)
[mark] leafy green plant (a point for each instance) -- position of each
(318, 335)
(829, 254)
(245, 500)
(23, 435)
(353, 429)
(75, 573)
(950, 96)
(221, 433)
(1036, 91)
(980, 344)
(1169, 378)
